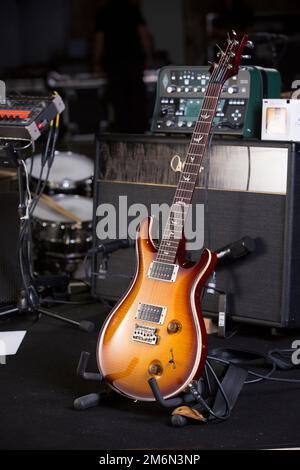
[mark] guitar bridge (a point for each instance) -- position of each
(145, 334)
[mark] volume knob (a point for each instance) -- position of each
(174, 326)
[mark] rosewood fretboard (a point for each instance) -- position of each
(192, 166)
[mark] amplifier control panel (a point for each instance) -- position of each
(180, 94)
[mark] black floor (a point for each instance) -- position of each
(39, 384)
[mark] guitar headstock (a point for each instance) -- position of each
(228, 60)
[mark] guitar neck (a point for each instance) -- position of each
(192, 166)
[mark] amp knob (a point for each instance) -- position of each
(171, 89)
(232, 89)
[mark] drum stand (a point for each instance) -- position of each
(29, 300)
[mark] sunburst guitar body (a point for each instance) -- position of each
(156, 331)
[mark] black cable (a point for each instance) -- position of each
(44, 159)
(25, 232)
(260, 376)
(220, 387)
(260, 379)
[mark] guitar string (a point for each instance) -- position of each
(220, 69)
(212, 94)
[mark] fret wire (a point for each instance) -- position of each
(186, 173)
(185, 182)
(194, 164)
(168, 241)
(169, 249)
(194, 154)
(172, 230)
(164, 246)
(185, 190)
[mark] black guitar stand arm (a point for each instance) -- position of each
(92, 399)
(81, 369)
(166, 403)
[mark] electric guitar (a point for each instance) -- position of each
(156, 330)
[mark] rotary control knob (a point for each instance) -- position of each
(189, 123)
(174, 326)
(169, 123)
(171, 89)
(232, 89)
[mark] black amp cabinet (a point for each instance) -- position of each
(253, 190)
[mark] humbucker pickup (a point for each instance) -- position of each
(151, 313)
(163, 271)
(145, 334)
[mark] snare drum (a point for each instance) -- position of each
(71, 173)
(60, 244)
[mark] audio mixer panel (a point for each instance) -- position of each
(27, 117)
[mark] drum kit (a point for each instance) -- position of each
(62, 219)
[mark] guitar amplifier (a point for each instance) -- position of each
(253, 190)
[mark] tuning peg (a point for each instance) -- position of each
(250, 45)
(221, 52)
(246, 57)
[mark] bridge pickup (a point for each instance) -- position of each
(145, 334)
(163, 271)
(151, 313)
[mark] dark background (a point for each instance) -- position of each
(36, 36)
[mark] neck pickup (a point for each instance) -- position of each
(163, 271)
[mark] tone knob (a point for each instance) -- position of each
(169, 123)
(189, 123)
(174, 326)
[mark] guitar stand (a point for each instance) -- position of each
(94, 399)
